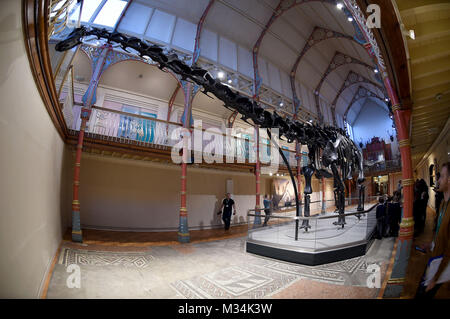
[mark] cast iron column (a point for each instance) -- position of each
(89, 99)
(183, 231)
(257, 173)
(323, 196)
(402, 118)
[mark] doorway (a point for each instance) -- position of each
(380, 185)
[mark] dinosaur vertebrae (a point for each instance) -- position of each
(306, 134)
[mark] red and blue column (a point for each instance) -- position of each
(89, 99)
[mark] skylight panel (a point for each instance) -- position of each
(89, 8)
(110, 13)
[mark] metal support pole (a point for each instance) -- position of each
(323, 197)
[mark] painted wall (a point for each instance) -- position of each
(32, 185)
(127, 194)
(439, 153)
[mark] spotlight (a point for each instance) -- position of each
(281, 104)
(278, 174)
(350, 19)
(408, 33)
(340, 6)
(220, 75)
(230, 81)
(270, 174)
(376, 70)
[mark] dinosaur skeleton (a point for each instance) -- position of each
(329, 147)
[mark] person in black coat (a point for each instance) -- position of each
(420, 207)
(227, 205)
(438, 197)
(381, 216)
(394, 215)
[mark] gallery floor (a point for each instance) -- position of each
(213, 269)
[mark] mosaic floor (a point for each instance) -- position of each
(218, 269)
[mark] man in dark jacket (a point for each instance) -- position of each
(381, 215)
(227, 206)
(394, 215)
(438, 197)
(440, 246)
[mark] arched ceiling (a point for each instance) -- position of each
(286, 37)
(130, 76)
(359, 100)
(244, 21)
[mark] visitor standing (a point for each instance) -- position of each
(227, 206)
(438, 197)
(380, 215)
(267, 203)
(440, 246)
(420, 207)
(400, 187)
(394, 215)
(274, 202)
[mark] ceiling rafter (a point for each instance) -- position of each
(282, 7)
(361, 93)
(354, 78)
(318, 35)
(339, 59)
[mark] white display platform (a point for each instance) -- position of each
(322, 236)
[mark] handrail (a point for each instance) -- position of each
(317, 217)
(131, 114)
(161, 121)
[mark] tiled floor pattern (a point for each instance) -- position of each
(217, 269)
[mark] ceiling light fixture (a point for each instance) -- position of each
(230, 81)
(375, 70)
(281, 104)
(220, 75)
(339, 6)
(408, 33)
(350, 19)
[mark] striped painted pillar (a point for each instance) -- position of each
(402, 119)
(298, 148)
(89, 98)
(183, 230)
(257, 173)
(77, 235)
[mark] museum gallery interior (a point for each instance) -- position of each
(211, 149)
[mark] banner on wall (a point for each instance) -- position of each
(283, 193)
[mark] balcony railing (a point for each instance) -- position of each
(392, 165)
(146, 131)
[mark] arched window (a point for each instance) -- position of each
(431, 171)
